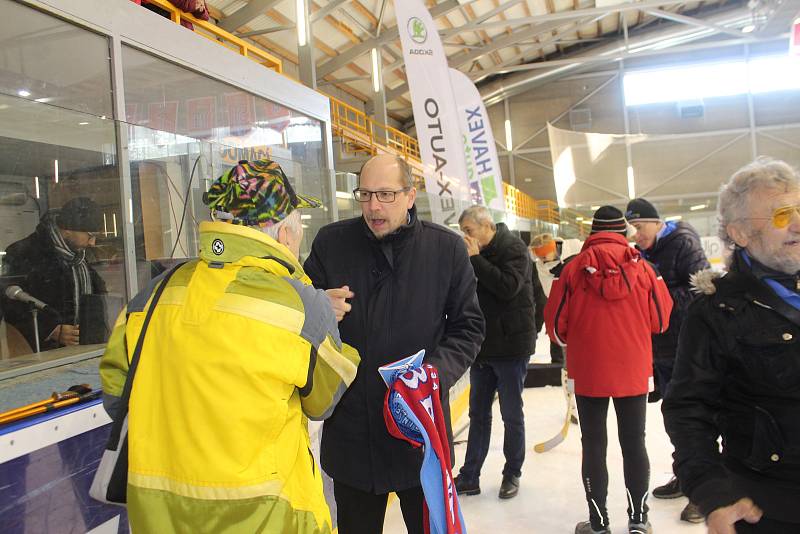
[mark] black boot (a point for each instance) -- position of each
(670, 490)
(509, 488)
(466, 487)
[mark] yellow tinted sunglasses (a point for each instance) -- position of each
(782, 216)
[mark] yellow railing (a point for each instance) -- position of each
(518, 202)
(358, 131)
(547, 211)
(220, 36)
(368, 135)
(576, 220)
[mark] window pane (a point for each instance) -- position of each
(167, 168)
(166, 97)
(61, 239)
(51, 61)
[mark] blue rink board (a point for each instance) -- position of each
(47, 490)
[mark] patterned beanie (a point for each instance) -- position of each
(255, 193)
(609, 219)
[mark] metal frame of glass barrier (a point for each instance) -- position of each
(126, 25)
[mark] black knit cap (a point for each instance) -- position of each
(640, 209)
(609, 219)
(80, 214)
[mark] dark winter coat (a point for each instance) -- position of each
(413, 290)
(737, 375)
(505, 294)
(32, 264)
(604, 308)
(677, 256)
(539, 297)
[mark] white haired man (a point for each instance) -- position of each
(242, 319)
(737, 372)
(505, 292)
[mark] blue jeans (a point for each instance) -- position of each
(506, 377)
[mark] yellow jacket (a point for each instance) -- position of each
(240, 351)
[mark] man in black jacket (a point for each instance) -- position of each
(737, 373)
(505, 292)
(676, 251)
(410, 286)
(50, 264)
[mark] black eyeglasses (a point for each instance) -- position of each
(364, 195)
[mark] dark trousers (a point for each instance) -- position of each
(631, 416)
(662, 374)
(767, 526)
(506, 377)
(363, 512)
(556, 353)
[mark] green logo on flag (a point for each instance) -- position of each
(489, 189)
(416, 30)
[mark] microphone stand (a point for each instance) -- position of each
(35, 314)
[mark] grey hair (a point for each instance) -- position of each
(477, 214)
(405, 169)
(292, 222)
(764, 172)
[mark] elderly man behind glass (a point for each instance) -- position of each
(737, 373)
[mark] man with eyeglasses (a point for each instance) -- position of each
(737, 372)
(675, 249)
(50, 264)
(398, 284)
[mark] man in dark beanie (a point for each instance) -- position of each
(51, 265)
(675, 249)
(604, 307)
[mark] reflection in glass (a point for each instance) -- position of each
(61, 246)
(51, 61)
(169, 98)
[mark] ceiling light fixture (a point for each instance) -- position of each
(376, 78)
(300, 6)
(509, 142)
(698, 207)
(631, 184)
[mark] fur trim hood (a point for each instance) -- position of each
(702, 282)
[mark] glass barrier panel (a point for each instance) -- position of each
(49, 60)
(61, 247)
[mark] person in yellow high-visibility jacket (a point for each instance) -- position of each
(240, 352)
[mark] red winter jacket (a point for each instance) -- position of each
(604, 306)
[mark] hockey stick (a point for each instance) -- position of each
(57, 400)
(562, 434)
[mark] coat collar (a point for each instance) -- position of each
(222, 243)
(742, 283)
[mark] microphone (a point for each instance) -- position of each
(17, 293)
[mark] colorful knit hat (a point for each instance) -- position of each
(255, 193)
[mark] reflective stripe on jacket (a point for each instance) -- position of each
(240, 351)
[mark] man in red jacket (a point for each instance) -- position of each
(604, 306)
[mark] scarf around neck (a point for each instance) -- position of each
(72, 260)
